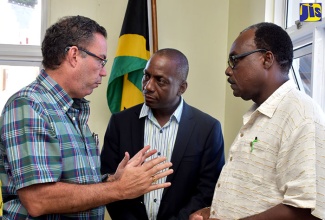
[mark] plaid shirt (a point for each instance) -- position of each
(45, 138)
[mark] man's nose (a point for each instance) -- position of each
(149, 85)
(103, 72)
(228, 71)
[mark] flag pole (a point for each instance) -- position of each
(154, 25)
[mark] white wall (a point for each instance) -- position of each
(199, 29)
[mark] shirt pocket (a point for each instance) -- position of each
(250, 161)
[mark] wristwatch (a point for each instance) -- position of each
(105, 177)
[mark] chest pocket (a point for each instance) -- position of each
(252, 162)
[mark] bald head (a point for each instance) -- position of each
(182, 66)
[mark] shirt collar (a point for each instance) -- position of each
(269, 106)
(146, 111)
(57, 92)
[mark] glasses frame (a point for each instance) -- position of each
(232, 59)
(103, 61)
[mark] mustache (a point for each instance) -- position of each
(144, 91)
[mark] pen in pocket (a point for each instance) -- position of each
(252, 144)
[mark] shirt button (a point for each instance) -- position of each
(241, 134)
(159, 153)
(161, 131)
(155, 200)
(218, 185)
(213, 212)
(73, 118)
(230, 158)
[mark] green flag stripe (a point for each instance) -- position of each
(126, 64)
(122, 65)
(114, 95)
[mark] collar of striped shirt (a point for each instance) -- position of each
(146, 111)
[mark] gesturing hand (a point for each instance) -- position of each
(135, 176)
(135, 161)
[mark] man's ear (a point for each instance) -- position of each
(182, 88)
(268, 59)
(71, 56)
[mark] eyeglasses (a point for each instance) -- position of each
(102, 60)
(232, 60)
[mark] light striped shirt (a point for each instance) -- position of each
(277, 157)
(162, 139)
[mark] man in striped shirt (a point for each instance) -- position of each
(190, 139)
(49, 163)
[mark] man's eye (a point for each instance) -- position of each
(145, 76)
(162, 82)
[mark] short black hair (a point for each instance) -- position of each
(274, 38)
(177, 56)
(68, 31)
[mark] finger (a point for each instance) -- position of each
(158, 186)
(159, 168)
(153, 162)
(149, 154)
(127, 156)
(143, 150)
(140, 157)
(160, 175)
(197, 217)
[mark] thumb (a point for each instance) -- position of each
(121, 166)
(124, 161)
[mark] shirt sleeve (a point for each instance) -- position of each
(32, 148)
(296, 167)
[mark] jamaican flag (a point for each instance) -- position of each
(124, 85)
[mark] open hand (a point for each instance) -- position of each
(136, 175)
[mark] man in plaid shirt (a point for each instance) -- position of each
(49, 163)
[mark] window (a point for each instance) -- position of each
(308, 68)
(14, 78)
(301, 68)
(22, 24)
